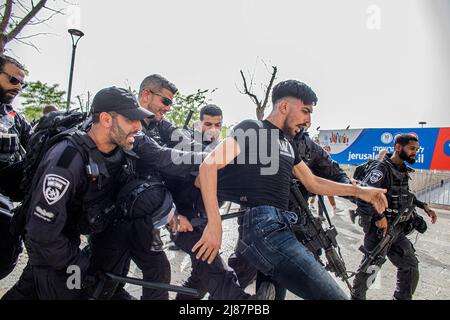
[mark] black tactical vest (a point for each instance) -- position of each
(398, 195)
(97, 202)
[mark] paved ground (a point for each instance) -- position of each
(433, 250)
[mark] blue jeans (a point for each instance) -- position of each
(270, 245)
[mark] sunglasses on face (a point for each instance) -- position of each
(14, 81)
(166, 101)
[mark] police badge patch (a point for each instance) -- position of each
(54, 188)
(376, 175)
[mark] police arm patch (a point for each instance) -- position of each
(54, 188)
(376, 175)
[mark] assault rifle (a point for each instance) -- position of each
(378, 255)
(310, 232)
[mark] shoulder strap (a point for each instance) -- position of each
(388, 166)
(88, 151)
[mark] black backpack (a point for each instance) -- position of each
(362, 170)
(51, 129)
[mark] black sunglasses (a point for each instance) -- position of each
(14, 81)
(166, 101)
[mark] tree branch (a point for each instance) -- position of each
(28, 44)
(33, 35)
(23, 8)
(269, 87)
(6, 15)
(26, 19)
(60, 11)
(43, 21)
(249, 93)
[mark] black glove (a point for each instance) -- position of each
(420, 224)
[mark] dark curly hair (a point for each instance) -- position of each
(404, 138)
(210, 110)
(294, 89)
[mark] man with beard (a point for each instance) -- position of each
(322, 165)
(393, 174)
(256, 164)
(14, 134)
(13, 126)
(155, 95)
(14, 129)
(74, 189)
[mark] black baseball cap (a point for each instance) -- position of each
(119, 100)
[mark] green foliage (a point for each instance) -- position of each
(225, 132)
(32, 113)
(184, 103)
(38, 95)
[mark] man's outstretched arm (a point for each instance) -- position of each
(209, 244)
(326, 187)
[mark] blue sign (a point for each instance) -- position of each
(356, 146)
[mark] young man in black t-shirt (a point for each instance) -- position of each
(256, 164)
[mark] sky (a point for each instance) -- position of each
(373, 64)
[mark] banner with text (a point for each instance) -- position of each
(356, 146)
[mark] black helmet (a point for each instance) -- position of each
(141, 198)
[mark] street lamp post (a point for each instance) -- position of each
(422, 123)
(76, 36)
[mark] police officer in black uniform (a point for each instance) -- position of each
(156, 95)
(14, 134)
(147, 205)
(74, 192)
(393, 174)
